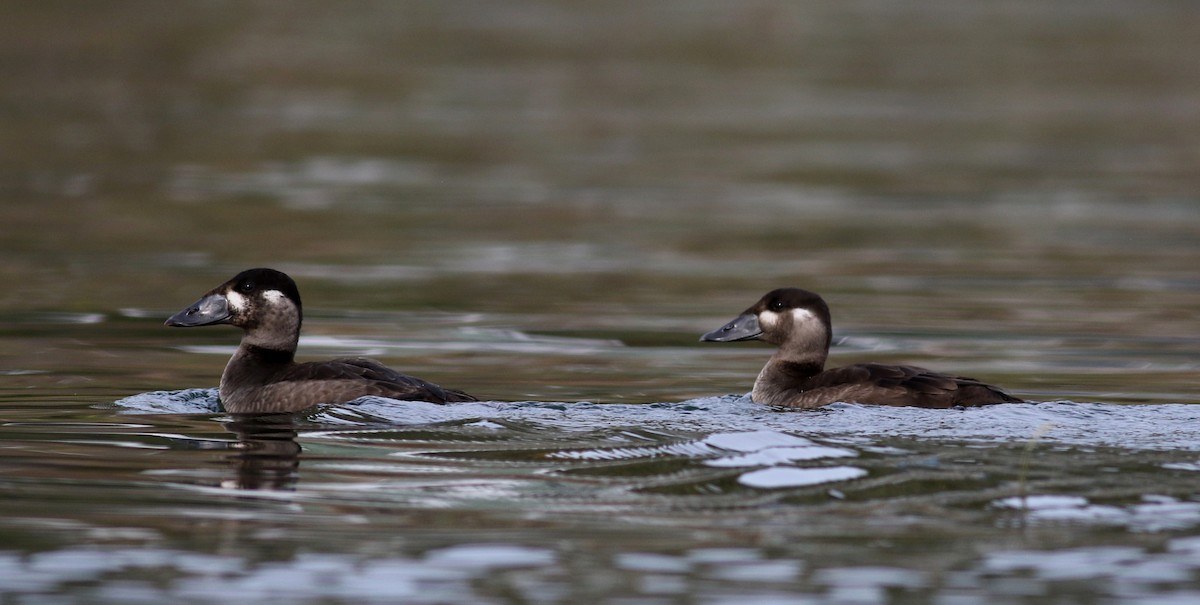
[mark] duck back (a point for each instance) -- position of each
(895, 385)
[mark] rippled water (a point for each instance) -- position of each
(714, 497)
(545, 205)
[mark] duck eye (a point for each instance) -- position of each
(777, 305)
(245, 286)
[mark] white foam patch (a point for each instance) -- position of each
(652, 562)
(1041, 502)
(782, 455)
(487, 556)
(768, 448)
(1183, 466)
(753, 441)
(1061, 565)
(1155, 513)
(787, 476)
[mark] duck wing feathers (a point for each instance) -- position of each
(361, 377)
(899, 385)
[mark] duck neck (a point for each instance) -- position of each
(263, 356)
(784, 377)
(252, 365)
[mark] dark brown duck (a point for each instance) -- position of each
(263, 376)
(798, 322)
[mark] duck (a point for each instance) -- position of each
(263, 376)
(798, 322)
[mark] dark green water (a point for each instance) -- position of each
(545, 204)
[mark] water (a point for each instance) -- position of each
(546, 205)
(714, 497)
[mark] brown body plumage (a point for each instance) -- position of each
(263, 376)
(798, 321)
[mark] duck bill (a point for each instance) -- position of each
(212, 309)
(743, 327)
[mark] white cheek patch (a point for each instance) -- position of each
(768, 319)
(273, 296)
(237, 302)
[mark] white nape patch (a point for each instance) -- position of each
(801, 316)
(237, 302)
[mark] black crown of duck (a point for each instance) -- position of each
(263, 376)
(798, 322)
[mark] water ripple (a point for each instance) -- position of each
(1138, 427)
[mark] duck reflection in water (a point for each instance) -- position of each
(266, 454)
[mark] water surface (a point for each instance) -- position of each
(546, 204)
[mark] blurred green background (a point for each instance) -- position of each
(627, 169)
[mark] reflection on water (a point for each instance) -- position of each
(546, 204)
(529, 574)
(267, 455)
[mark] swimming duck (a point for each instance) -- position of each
(263, 376)
(798, 322)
